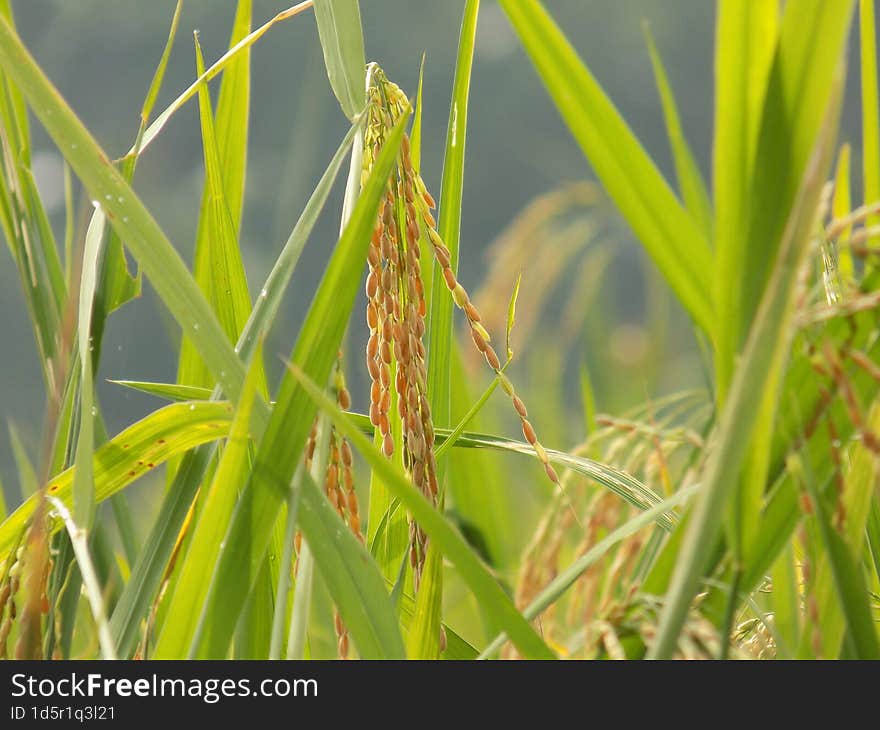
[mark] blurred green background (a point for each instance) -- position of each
(102, 54)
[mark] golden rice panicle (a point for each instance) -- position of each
(396, 311)
(423, 201)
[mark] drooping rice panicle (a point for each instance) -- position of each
(396, 310)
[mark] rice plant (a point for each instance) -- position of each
(739, 518)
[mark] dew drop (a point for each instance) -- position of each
(120, 199)
(125, 219)
(264, 294)
(192, 406)
(108, 197)
(73, 146)
(94, 410)
(195, 325)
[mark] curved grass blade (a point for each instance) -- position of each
(159, 123)
(134, 452)
(690, 179)
(621, 483)
(624, 485)
(218, 267)
(424, 636)
(440, 323)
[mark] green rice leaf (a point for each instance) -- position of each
(440, 324)
(216, 511)
(342, 39)
(758, 372)
(131, 454)
(218, 267)
(746, 41)
(690, 179)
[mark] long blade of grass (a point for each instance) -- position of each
(342, 39)
(424, 636)
(218, 268)
(83, 488)
(758, 371)
(666, 230)
(620, 482)
(690, 180)
(117, 285)
(812, 40)
(217, 507)
(132, 453)
(161, 120)
(451, 192)
(746, 40)
(449, 541)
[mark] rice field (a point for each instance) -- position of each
(451, 508)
